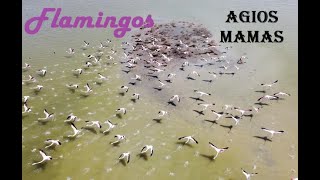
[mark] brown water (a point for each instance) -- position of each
(90, 156)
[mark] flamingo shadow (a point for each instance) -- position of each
(265, 138)
(126, 71)
(35, 92)
(71, 138)
(261, 104)
(91, 129)
(72, 90)
(143, 156)
(84, 95)
(197, 99)
(105, 133)
(171, 103)
(211, 121)
(99, 83)
(262, 91)
(51, 148)
(209, 157)
(115, 144)
(119, 116)
(159, 89)
(157, 120)
(41, 165)
(227, 127)
(249, 115)
(183, 143)
(190, 78)
(208, 81)
(123, 162)
(199, 112)
(42, 122)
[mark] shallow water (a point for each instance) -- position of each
(90, 156)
